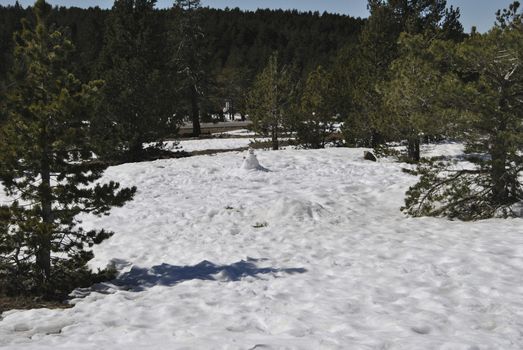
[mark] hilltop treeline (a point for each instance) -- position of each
(233, 41)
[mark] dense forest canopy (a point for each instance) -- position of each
(235, 39)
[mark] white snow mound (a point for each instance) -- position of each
(289, 209)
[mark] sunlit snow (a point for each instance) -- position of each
(313, 254)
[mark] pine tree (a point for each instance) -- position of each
(316, 114)
(365, 68)
(270, 100)
(414, 96)
(368, 68)
(47, 167)
(489, 97)
(233, 83)
(138, 104)
(188, 57)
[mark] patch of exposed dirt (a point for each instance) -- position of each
(26, 303)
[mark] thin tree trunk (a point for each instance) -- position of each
(274, 134)
(498, 153)
(498, 172)
(414, 149)
(195, 113)
(376, 139)
(136, 149)
(43, 254)
(323, 135)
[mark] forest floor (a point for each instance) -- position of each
(27, 303)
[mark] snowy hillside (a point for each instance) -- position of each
(312, 254)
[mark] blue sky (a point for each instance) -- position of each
(473, 12)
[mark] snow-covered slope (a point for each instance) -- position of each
(312, 254)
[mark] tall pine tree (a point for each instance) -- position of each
(316, 111)
(47, 167)
(138, 106)
(488, 94)
(415, 95)
(188, 58)
(270, 100)
(368, 70)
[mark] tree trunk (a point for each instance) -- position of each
(324, 135)
(43, 254)
(376, 139)
(498, 154)
(413, 148)
(274, 134)
(195, 112)
(498, 172)
(136, 149)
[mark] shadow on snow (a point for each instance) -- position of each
(139, 279)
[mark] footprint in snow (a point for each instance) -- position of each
(421, 329)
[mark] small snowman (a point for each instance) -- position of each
(251, 162)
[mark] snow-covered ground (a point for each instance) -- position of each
(239, 132)
(208, 144)
(214, 144)
(313, 254)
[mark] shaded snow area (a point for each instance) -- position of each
(208, 144)
(214, 144)
(239, 132)
(312, 254)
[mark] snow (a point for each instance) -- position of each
(453, 150)
(209, 144)
(313, 254)
(239, 132)
(232, 143)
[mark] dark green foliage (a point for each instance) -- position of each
(233, 84)
(86, 29)
(9, 23)
(138, 104)
(47, 167)
(510, 18)
(444, 190)
(416, 95)
(368, 70)
(315, 113)
(246, 40)
(488, 93)
(188, 59)
(226, 50)
(271, 99)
